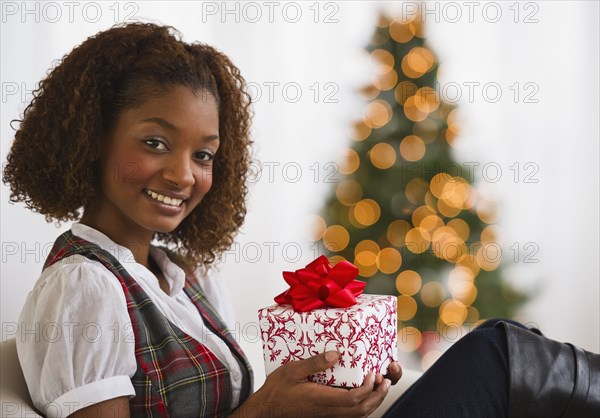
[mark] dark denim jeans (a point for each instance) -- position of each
(470, 380)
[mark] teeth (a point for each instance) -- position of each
(165, 199)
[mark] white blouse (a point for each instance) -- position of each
(75, 343)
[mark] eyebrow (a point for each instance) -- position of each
(168, 125)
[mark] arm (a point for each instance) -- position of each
(286, 392)
(111, 408)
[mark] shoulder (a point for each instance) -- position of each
(77, 271)
(75, 288)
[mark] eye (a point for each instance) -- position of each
(204, 156)
(156, 143)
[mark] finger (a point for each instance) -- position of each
(369, 404)
(297, 370)
(384, 386)
(335, 397)
(344, 402)
(357, 395)
(394, 372)
(376, 397)
(378, 379)
(348, 400)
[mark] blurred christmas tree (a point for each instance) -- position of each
(404, 211)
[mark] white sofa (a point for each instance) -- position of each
(15, 401)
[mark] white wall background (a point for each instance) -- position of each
(559, 133)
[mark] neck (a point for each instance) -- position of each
(137, 240)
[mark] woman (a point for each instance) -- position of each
(150, 137)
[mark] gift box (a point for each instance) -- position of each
(324, 310)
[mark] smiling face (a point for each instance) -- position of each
(156, 164)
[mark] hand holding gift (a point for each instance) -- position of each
(286, 392)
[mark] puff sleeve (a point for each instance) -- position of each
(75, 341)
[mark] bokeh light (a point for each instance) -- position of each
(407, 308)
(367, 245)
(417, 62)
(426, 100)
(453, 312)
(461, 227)
(366, 258)
(404, 90)
(412, 112)
(382, 61)
(401, 32)
(334, 259)
(431, 223)
(490, 233)
(408, 282)
(377, 113)
(417, 240)
(382, 155)
(409, 339)
(432, 294)
(452, 249)
(396, 232)
(368, 92)
(389, 260)
(349, 192)
(387, 81)
(361, 131)
(349, 161)
(431, 201)
(412, 148)
(447, 210)
(366, 261)
(366, 212)
(469, 261)
(489, 256)
(421, 213)
(439, 238)
(336, 238)
(462, 286)
(415, 190)
(472, 314)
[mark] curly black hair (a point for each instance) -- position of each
(53, 163)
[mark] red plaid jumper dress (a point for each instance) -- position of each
(176, 376)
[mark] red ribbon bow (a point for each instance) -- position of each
(319, 285)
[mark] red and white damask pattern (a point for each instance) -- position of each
(364, 334)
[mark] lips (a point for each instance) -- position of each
(168, 200)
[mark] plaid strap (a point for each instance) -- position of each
(214, 322)
(176, 375)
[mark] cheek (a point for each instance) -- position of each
(129, 171)
(204, 181)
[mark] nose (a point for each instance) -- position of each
(179, 170)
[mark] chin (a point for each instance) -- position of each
(164, 228)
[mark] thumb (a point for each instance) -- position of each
(302, 368)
